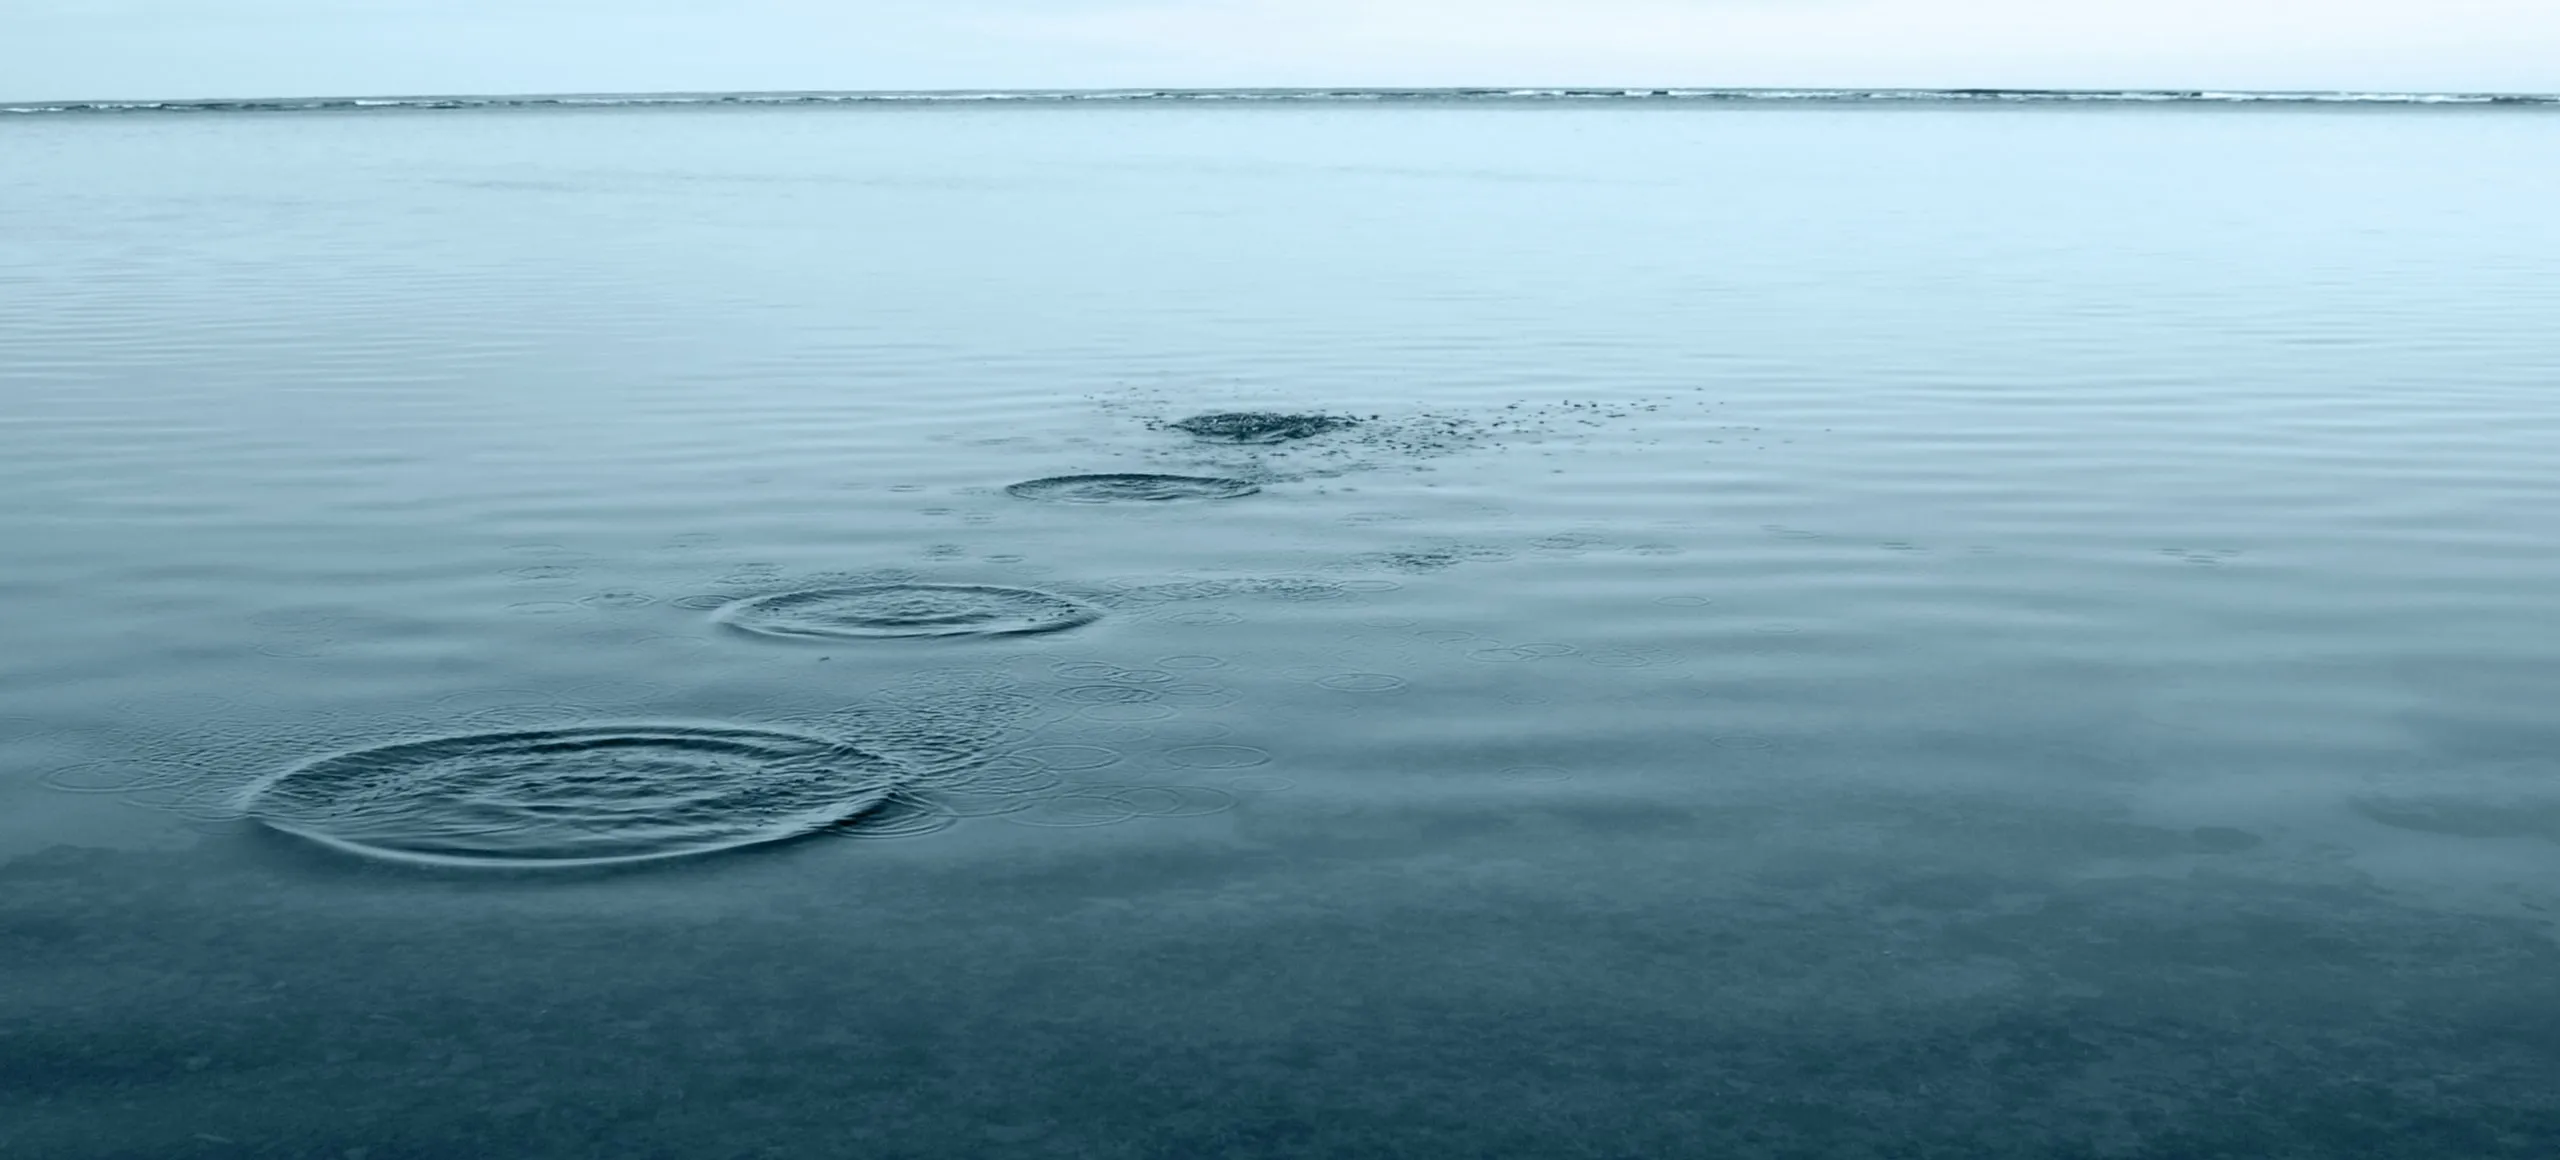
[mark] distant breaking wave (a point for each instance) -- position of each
(1795, 96)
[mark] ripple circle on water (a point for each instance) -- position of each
(1171, 801)
(1218, 756)
(1363, 683)
(1071, 758)
(581, 795)
(1108, 694)
(1074, 810)
(1127, 713)
(906, 610)
(1130, 488)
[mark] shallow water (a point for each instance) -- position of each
(1839, 631)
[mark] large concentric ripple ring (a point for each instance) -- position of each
(578, 796)
(889, 610)
(1130, 488)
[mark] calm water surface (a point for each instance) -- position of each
(1841, 632)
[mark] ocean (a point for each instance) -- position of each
(1755, 625)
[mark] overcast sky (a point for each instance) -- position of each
(72, 49)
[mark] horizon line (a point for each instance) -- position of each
(1771, 93)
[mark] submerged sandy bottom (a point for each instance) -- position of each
(1287, 984)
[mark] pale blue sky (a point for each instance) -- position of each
(67, 49)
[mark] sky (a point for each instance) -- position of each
(170, 49)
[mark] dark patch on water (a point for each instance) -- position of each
(582, 795)
(1130, 488)
(2222, 840)
(907, 610)
(1261, 426)
(2463, 817)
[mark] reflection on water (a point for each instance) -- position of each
(1768, 631)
